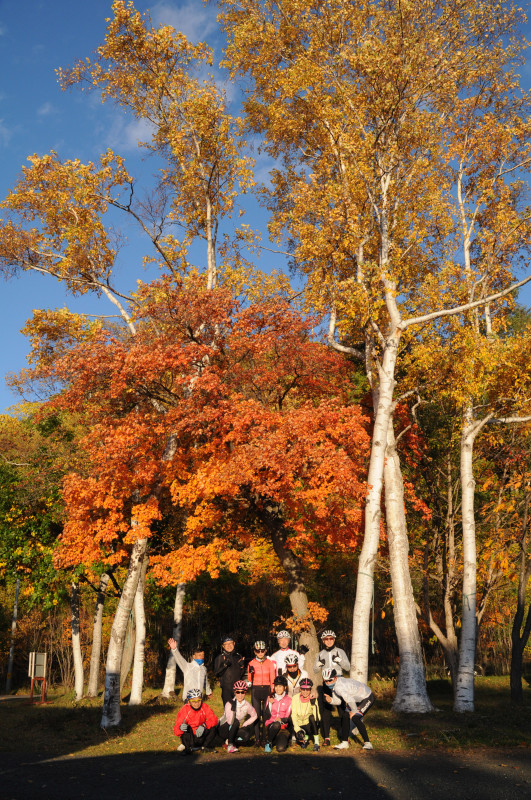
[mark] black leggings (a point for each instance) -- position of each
(259, 697)
(278, 736)
(234, 734)
(357, 719)
(325, 709)
(310, 729)
(189, 739)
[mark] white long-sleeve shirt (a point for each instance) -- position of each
(194, 674)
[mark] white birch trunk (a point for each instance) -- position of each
(464, 693)
(411, 693)
(92, 688)
(76, 641)
(369, 553)
(111, 715)
(140, 639)
(11, 659)
(171, 666)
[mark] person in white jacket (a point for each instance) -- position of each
(355, 699)
(329, 657)
(194, 671)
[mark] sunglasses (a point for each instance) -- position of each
(240, 691)
(259, 651)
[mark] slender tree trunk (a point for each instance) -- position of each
(92, 689)
(464, 691)
(520, 638)
(140, 639)
(128, 651)
(411, 693)
(171, 666)
(359, 665)
(76, 641)
(294, 570)
(9, 679)
(111, 705)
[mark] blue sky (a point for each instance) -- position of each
(36, 37)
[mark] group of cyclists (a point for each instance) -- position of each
(285, 705)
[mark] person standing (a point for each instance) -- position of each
(194, 671)
(329, 657)
(261, 673)
(284, 638)
(229, 667)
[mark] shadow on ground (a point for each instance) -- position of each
(491, 776)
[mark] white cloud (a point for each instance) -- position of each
(5, 134)
(191, 18)
(46, 109)
(124, 136)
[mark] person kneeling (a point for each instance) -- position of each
(236, 725)
(277, 714)
(305, 715)
(196, 724)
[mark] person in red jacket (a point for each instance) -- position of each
(277, 716)
(260, 674)
(196, 724)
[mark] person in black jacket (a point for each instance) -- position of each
(229, 667)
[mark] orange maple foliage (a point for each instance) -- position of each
(259, 415)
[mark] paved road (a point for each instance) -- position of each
(483, 775)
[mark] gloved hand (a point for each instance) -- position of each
(284, 720)
(200, 731)
(184, 727)
(249, 684)
(251, 670)
(300, 736)
(321, 662)
(336, 658)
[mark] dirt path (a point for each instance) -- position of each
(478, 775)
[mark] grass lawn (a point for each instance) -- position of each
(64, 727)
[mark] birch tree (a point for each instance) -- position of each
(359, 102)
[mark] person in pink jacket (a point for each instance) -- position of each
(277, 714)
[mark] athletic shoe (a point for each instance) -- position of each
(316, 748)
(368, 746)
(196, 749)
(326, 742)
(232, 749)
(304, 744)
(267, 748)
(181, 748)
(341, 746)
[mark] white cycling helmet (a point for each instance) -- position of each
(194, 693)
(327, 633)
(329, 674)
(291, 658)
(283, 635)
(260, 645)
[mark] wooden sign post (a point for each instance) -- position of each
(37, 672)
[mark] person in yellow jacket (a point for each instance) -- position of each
(305, 715)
